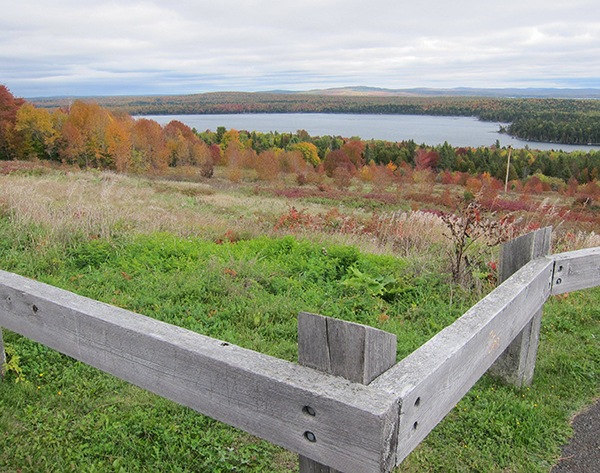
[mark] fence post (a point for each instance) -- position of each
(356, 352)
(517, 364)
(2, 356)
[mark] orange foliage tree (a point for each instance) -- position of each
(118, 146)
(354, 149)
(72, 144)
(267, 165)
(293, 162)
(150, 150)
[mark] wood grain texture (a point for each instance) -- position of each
(430, 381)
(257, 393)
(355, 352)
(576, 270)
(516, 253)
(517, 364)
(306, 465)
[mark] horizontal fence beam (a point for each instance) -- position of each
(576, 270)
(429, 382)
(259, 394)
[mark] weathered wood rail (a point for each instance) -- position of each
(359, 424)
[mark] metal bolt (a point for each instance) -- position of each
(560, 268)
(310, 436)
(34, 308)
(309, 410)
(558, 281)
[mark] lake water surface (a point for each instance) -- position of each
(431, 130)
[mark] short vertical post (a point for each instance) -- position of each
(355, 352)
(517, 364)
(2, 356)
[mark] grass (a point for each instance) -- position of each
(74, 418)
(214, 260)
(498, 428)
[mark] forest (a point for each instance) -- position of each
(567, 121)
(89, 135)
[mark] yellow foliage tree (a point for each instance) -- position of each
(309, 152)
(37, 128)
(231, 136)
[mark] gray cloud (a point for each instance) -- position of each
(146, 47)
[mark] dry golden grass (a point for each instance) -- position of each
(103, 204)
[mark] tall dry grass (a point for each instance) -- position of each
(102, 204)
(410, 232)
(67, 205)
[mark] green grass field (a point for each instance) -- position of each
(58, 415)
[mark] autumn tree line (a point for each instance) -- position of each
(91, 136)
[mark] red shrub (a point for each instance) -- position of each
(533, 185)
(338, 159)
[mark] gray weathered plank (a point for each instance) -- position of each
(517, 364)
(516, 253)
(576, 270)
(430, 381)
(260, 394)
(353, 351)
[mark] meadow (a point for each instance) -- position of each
(237, 258)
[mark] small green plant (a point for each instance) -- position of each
(387, 287)
(12, 365)
(375, 285)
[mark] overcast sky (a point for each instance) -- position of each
(85, 47)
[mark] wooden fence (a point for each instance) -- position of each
(347, 405)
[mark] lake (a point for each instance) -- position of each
(431, 130)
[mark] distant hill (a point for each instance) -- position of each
(457, 92)
(356, 91)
